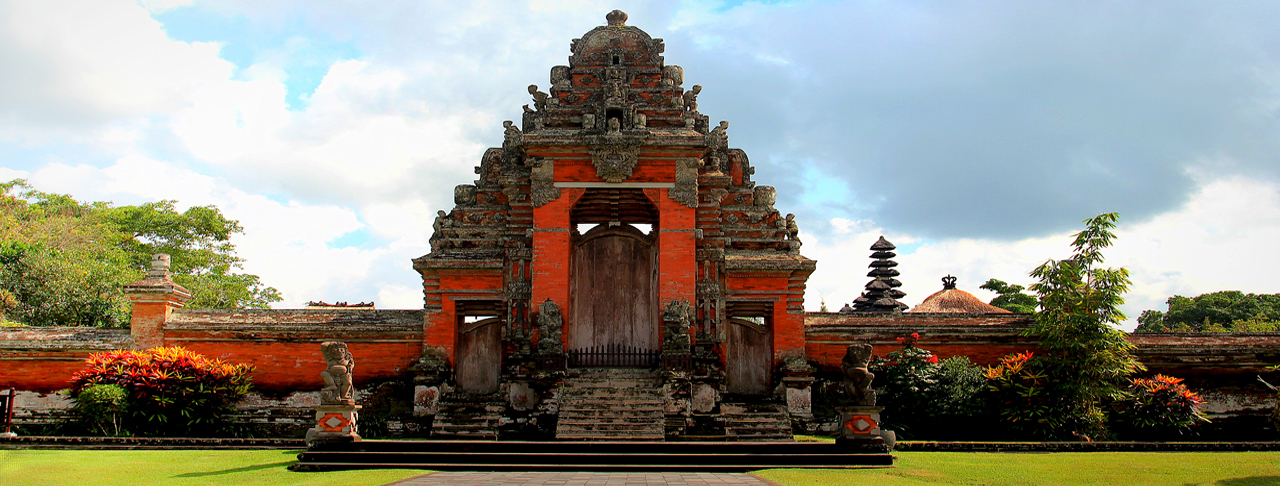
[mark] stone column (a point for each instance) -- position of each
(154, 298)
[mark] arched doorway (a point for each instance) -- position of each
(614, 273)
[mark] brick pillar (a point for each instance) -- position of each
(154, 298)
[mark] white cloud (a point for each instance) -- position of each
(1223, 238)
(79, 66)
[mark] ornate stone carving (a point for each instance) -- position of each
(857, 379)
(437, 230)
(464, 194)
(560, 78)
(673, 73)
(614, 163)
(676, 320)
(765, 196)
(691, 99)
(542, 183)
(549, 324)
(686, 188)
(337, 376)
(511, 135)
(718, 139)
(539, 100)
(793, 233)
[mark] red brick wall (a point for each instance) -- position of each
(983, 338)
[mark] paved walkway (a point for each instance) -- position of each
(582, 479)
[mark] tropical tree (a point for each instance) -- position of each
(1215, 312)
(63, 262)
(1011, 297)
(1086, 357)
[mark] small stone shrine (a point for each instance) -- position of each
(614, 228)
(337, 413)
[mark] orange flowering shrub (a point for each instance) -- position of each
(1161, 406)
(171, 390)
(1019, 389)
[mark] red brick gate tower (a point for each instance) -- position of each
(615, 224)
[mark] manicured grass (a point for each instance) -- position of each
(178, 467)
(183, 467)
(1101, 468)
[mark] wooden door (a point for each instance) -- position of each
(479, 355)
(614, 289)
(748, 358)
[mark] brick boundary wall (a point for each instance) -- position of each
(284, 346)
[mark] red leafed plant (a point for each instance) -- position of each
(1020, 391)
(1161, 406)
(171, 390)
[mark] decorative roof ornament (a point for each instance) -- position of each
(616, 18)
(882, 291)
(951, 300)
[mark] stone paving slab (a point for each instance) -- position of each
(583, 479)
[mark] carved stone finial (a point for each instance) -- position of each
(159, 265)
(616, 18)
(948, 282)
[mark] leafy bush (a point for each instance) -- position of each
(172, 391)
(1160, 407)
(925, 396)
(1020, 392)
(103, 407)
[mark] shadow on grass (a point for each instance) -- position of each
(260, 467)
(1251, 481)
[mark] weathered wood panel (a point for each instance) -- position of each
(748, 358)
(479, 356)
(614, 289)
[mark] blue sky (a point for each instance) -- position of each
(975, 135)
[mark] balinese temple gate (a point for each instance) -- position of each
(615, 250)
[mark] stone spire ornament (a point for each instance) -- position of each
(882, 291)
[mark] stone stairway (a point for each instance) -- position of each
(756, 422)
(463, 418)
(611, 404)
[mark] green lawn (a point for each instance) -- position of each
(138, 468)
(178, 467)
(1073, 468)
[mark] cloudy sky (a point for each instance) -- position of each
(974, 135)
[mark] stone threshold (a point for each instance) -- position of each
(930, 446)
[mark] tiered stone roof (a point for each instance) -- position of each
(882, 291)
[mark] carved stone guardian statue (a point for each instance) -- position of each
(337, 413)
(860, 418)
(549, 333)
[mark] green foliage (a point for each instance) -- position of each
(1086, 358)
(63, 263)
(172, 391)
(1011, 297)
(1020, 391)
(1226, 311)
(1160, 408)
(103, 407)
(927, 397)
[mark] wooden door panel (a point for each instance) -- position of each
(615, 290)
(479, 356)
(749, 360)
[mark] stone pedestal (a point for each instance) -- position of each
(799, 396)
(860, 427)
(335, 423)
